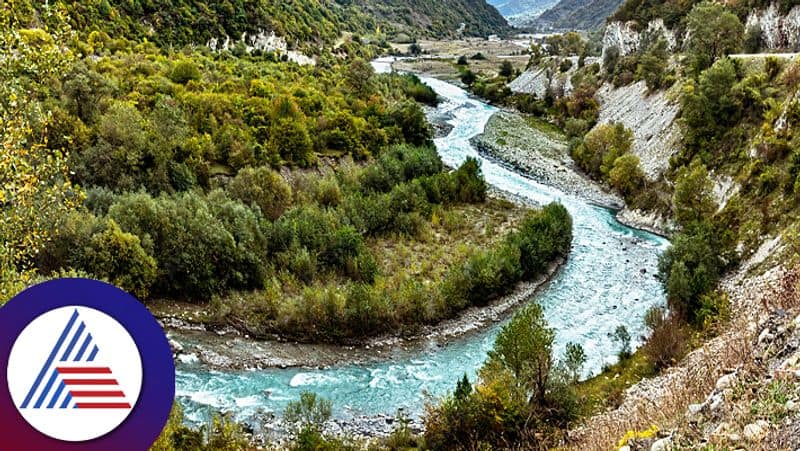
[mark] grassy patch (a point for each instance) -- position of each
(548, 128)
(606, 389)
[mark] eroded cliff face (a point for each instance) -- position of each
(547, 75)
(651, 117)
(626, 38)
(263, 41)
(778, 32)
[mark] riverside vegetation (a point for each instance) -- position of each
(262, 189)
(738, 124)
(739, 120)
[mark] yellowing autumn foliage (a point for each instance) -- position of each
(34, 186)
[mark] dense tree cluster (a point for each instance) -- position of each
(604, 153)
(523, 393)
(171, 123)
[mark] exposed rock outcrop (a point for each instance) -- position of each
(547, 75)
(262, 41)
(626, 38)
(777, 31)
(651, 117)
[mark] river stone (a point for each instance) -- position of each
(754, 432)
(716, 403)
(765, 336)
(664, 444)
(725, 381)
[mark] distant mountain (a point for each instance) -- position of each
(437, 18)
(574, 15)
(510, 8)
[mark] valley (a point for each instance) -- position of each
(397, 225)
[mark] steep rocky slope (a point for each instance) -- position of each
(651, 117)
(778, 31)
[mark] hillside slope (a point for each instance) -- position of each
(305, 24)
(439, 18)
(575, 15)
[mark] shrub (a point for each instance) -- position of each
(264, 188)
(626, 175)
(470, 185)
(667, 341)
(309, 412)
(118, 257)
(410, 119)
(601, 147)
(197, 256)
(97, 246)
(622, 336)
(468, 77)
(506, 69)
(184, 71)
(692, 200)
(691, 267)
(543, 237)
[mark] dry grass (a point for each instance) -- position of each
(440, 57)
(454, 234)
(663, 401)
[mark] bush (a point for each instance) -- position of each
(98, 247)
(667, 341)
(691, 267)
(468, 77)
(626, 175)
(469, 182)
(506, 69)
(601, 147)
(197, 255)
(310, 411)
(264, 188)
(118, 257)
(542, 238)
(184, 71)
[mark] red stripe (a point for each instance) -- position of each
(97, 370)
(91, 382)
(97, 394)
(103, 405)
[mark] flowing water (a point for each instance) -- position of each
(607, 281)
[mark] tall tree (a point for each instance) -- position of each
(714, 32)
(524, 347)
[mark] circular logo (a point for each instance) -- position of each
(102, 386)
(87, 367)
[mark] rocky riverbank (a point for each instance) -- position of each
(543, 156)
(740, 390)
(230, 349)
